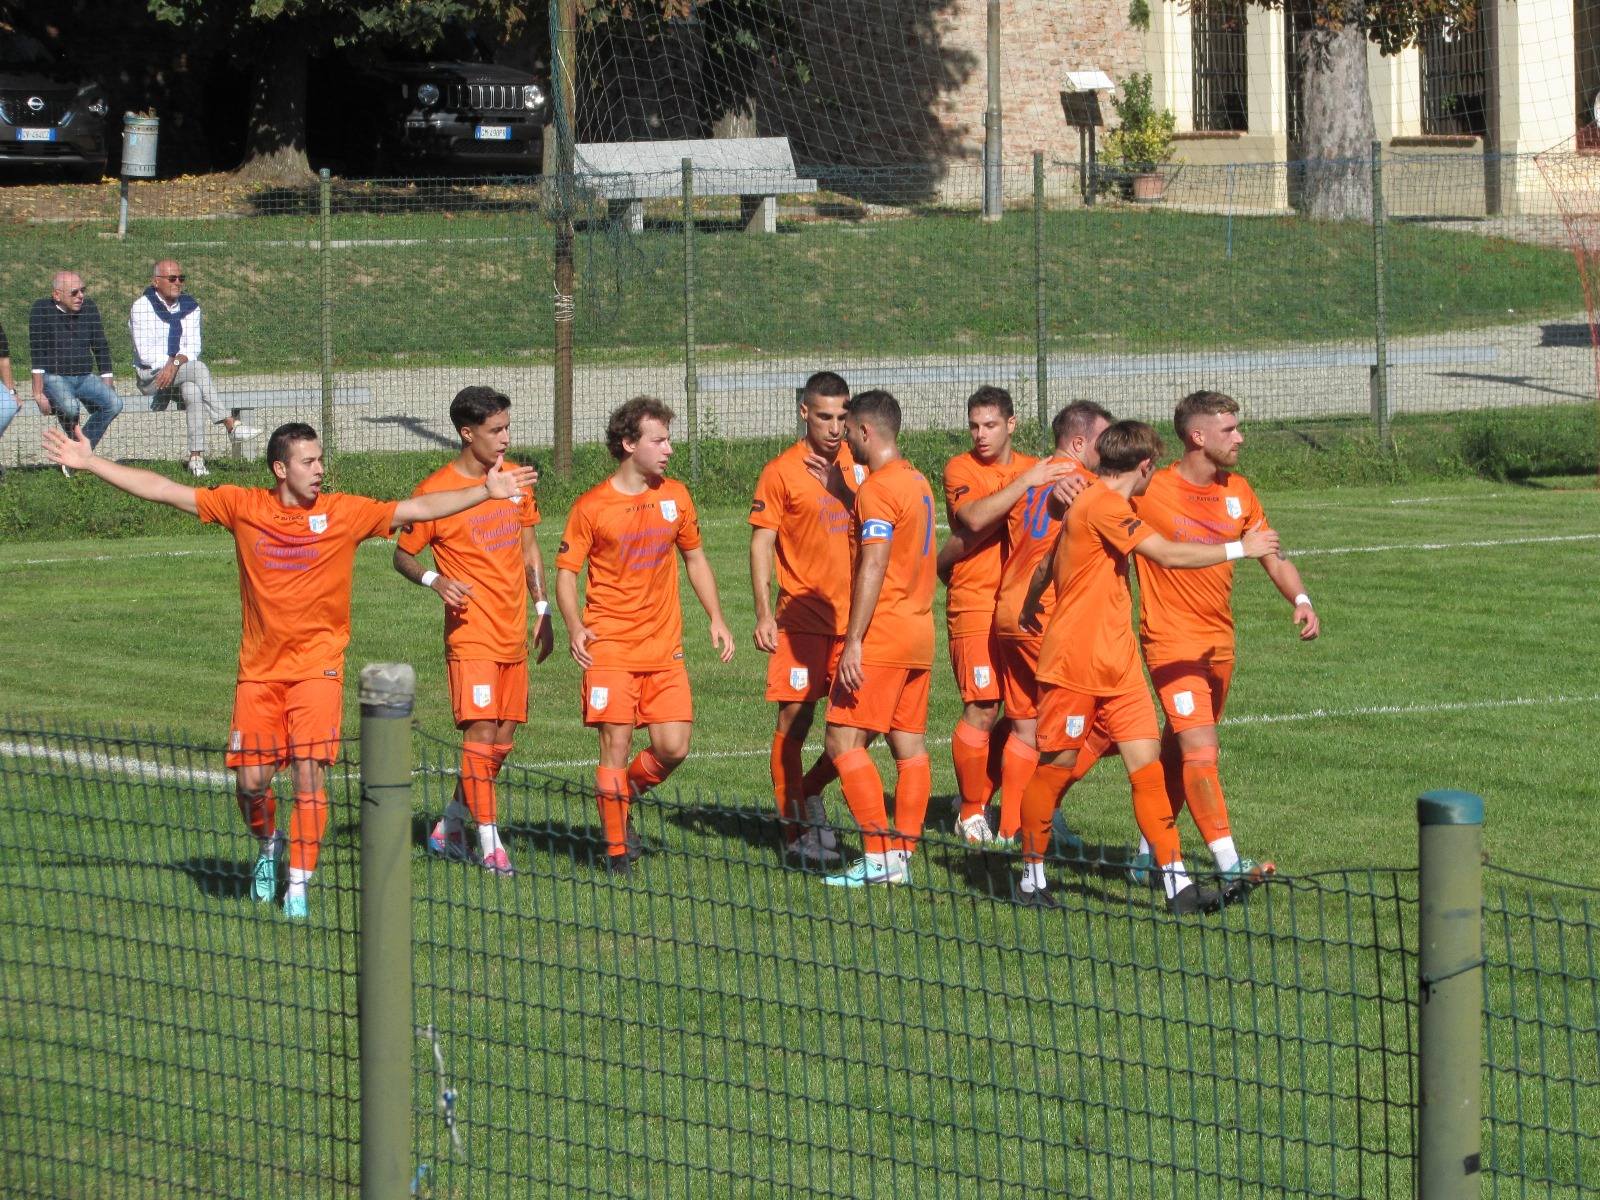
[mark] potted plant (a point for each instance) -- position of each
(1143, 139)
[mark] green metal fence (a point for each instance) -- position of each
(717, 1024)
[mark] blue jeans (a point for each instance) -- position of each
(65, 393)
(8, 407)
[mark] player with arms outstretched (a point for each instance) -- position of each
(1089, 667)
(296, 548)
(800, 524)
(628, 637)
(487, 567)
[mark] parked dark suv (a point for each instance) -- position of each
(48, 113)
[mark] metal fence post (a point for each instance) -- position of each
(1380, 369)
(563, 63)
(325, 206)
(993, 203)
(1040, 333)
(691, 379)
(384, 959)
(1450, 970)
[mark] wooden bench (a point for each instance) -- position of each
(757, 170)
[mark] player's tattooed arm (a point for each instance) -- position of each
(763, 544)
(453, 592)
(704, 583)
(544, 640)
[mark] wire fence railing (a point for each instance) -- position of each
(363, 306)
(717, 1023)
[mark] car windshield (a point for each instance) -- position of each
(20, 50)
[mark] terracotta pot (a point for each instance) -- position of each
(1149, 187)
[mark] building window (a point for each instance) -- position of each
(1586, 43)
(1295, 20)
(1455, 77)
(1221, 80)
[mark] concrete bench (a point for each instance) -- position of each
(757, 170)
(240, 401)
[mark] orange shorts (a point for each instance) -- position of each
(277, 722)
(1019, 661)
(889, 698)
(613, 696)
(488, 691)
(1066, 717)
(1192, 691)
(976, 659)
(802, 667)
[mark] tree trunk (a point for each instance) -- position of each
(739, 121)
(1338, 129)
(275, 147)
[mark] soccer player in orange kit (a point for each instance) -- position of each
(801, 527)
(881, 686)
(628, 637)
(1089, 668)
(488, 566)
(296, 548)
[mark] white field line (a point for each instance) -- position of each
(147, 771)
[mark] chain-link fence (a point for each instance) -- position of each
(363, 306)
(718, 1024)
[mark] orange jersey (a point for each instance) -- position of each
(969, 600)
(631, 603)
(813, 531)
(481, 547)
(895, 505)
(1189, 614)
(1030, 532)
(295, 569)
(1088, 645)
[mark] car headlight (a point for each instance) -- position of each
(93, 99)
(532, 98)
(428, 94)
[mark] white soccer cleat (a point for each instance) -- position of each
(974, 830)
(816, 814)
(864, 872)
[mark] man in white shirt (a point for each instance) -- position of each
(165, 326)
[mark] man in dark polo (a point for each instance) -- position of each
(66, 343)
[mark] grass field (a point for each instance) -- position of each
(723, 1027)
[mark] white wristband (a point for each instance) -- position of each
(1302, 598)
(1235, 550)
(541, 608)
(428, 577)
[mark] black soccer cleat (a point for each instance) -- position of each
(1194, 899)
(619, 865)
(1041, 898)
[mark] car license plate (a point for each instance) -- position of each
(492, 133)
(36, 135)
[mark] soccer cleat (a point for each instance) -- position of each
(816, 814)
(1033, 897)
(866, 873)
(1143, 872)
(1006, 844)
(634, 843)
(1244, 877)
(619, 866)
(452, 846)
(243, 433)
(198, 468)
(294, 908)
(264, 878)
(809, 849)
(499, 863)
(1194, 899)
(974, 830)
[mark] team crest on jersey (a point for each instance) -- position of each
(1074, 726)
(799, 678)
(318, 522)
(1235, 509)
(669, 510)
(861, 474)
(1183, 703)
(236, 743)
(981, 676)
(599, 697)
(480, 695)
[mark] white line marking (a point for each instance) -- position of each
(86, 558)
(1485, 543)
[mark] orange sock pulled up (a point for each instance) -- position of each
(1016, 768)
(646, 771)
(863, 792)
(1039, 802)
(1153, 812)
(783, 759)
(260, 813)
(969, 750)
(611, 794)
(912, 786)
(1202, 786)
(307, 823)
(479, 766)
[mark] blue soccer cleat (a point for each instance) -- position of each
(866, 873)
(264, 877)
(294, 908)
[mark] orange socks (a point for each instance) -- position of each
(863, 792)
(646, 770)
(1203, 788)
(480, 763)
(969, 749)
(1153, 812)
(1039, 801)
(913, 784)
(784, 762)
(307, 823)
(260, 813)
(1016, 768)
(611, 792)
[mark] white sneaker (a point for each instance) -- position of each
(198, 468)
(816, 814)
(243, 433)
(974, 830)
(810, 851)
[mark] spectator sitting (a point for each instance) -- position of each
(165, 326)
(66, 342)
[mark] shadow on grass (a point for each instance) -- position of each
(417, 428)
(218, 878)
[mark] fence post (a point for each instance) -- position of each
(1040, 333)
(1380, 369)
(563, 64)
(993, 203)
(1450, 991)
(384, 942)
(325, 207)
(691, 380)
